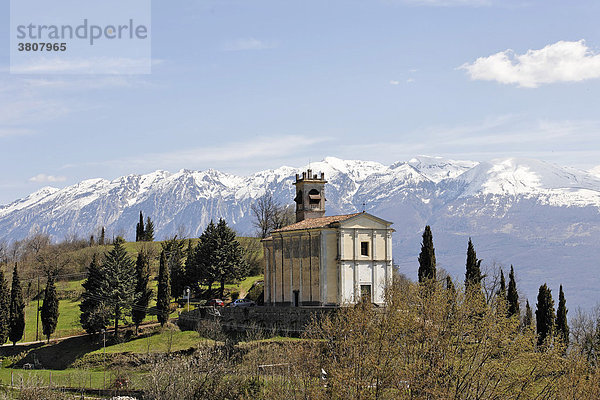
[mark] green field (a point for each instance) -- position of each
(81, 350)
(70, 291)
(244, 286)
(68, 320)
(164, 342)
(59, 377)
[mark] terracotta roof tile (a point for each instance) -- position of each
(312, 223)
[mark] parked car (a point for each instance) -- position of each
(243, 303)
(215, 303)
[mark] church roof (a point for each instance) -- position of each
(312, 223)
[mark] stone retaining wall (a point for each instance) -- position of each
(283, 320)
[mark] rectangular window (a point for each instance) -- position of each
(364, 248)
(365, 293)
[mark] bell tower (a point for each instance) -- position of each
(310, 195)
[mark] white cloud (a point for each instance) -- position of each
(247, 44)
(396, 83)
(43, 178)
(559, 62)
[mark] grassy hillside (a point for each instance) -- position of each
(68, 320)
(81, 258)
(69, 287)
(163, 342)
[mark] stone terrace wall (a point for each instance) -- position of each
(284, 320)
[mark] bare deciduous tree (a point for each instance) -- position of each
(437, 344)
(585, 331)
(491, 281)
(269, 215)
(52, 260)
(3, 252)
(37, 242)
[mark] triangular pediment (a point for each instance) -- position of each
(365, 221)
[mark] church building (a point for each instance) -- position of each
(326, 260)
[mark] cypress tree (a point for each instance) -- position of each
(149, 230)
(17, 310)
(4, 308)
(94, 311)
(120, 278)
(143, 294)
(139, 229)
(50, 312)
(501, 293)
(544, 315)
(427, 257)
(562, 327)
(528, 318)
(190, 266)
(500, 300)
(512, 296)
(450, 290)
(175, 260)
(473, 274)
(163, 299)
(450, 284)
(101, 240)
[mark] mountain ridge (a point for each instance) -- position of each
(519, 211)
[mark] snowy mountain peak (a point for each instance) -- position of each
(28, 201)
(519, 175)
(549, 183)
(193, 197)
(507, 205)
(439, 168)
(356, 169)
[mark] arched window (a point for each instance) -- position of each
(314, 197)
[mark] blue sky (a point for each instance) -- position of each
(247, 85)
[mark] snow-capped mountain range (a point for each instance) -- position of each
(541, 217)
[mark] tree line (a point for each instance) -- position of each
(12, 308)
(144, 232)
(118, 287)
(549, 324)
(431, 340)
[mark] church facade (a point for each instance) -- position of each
(326, 260)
